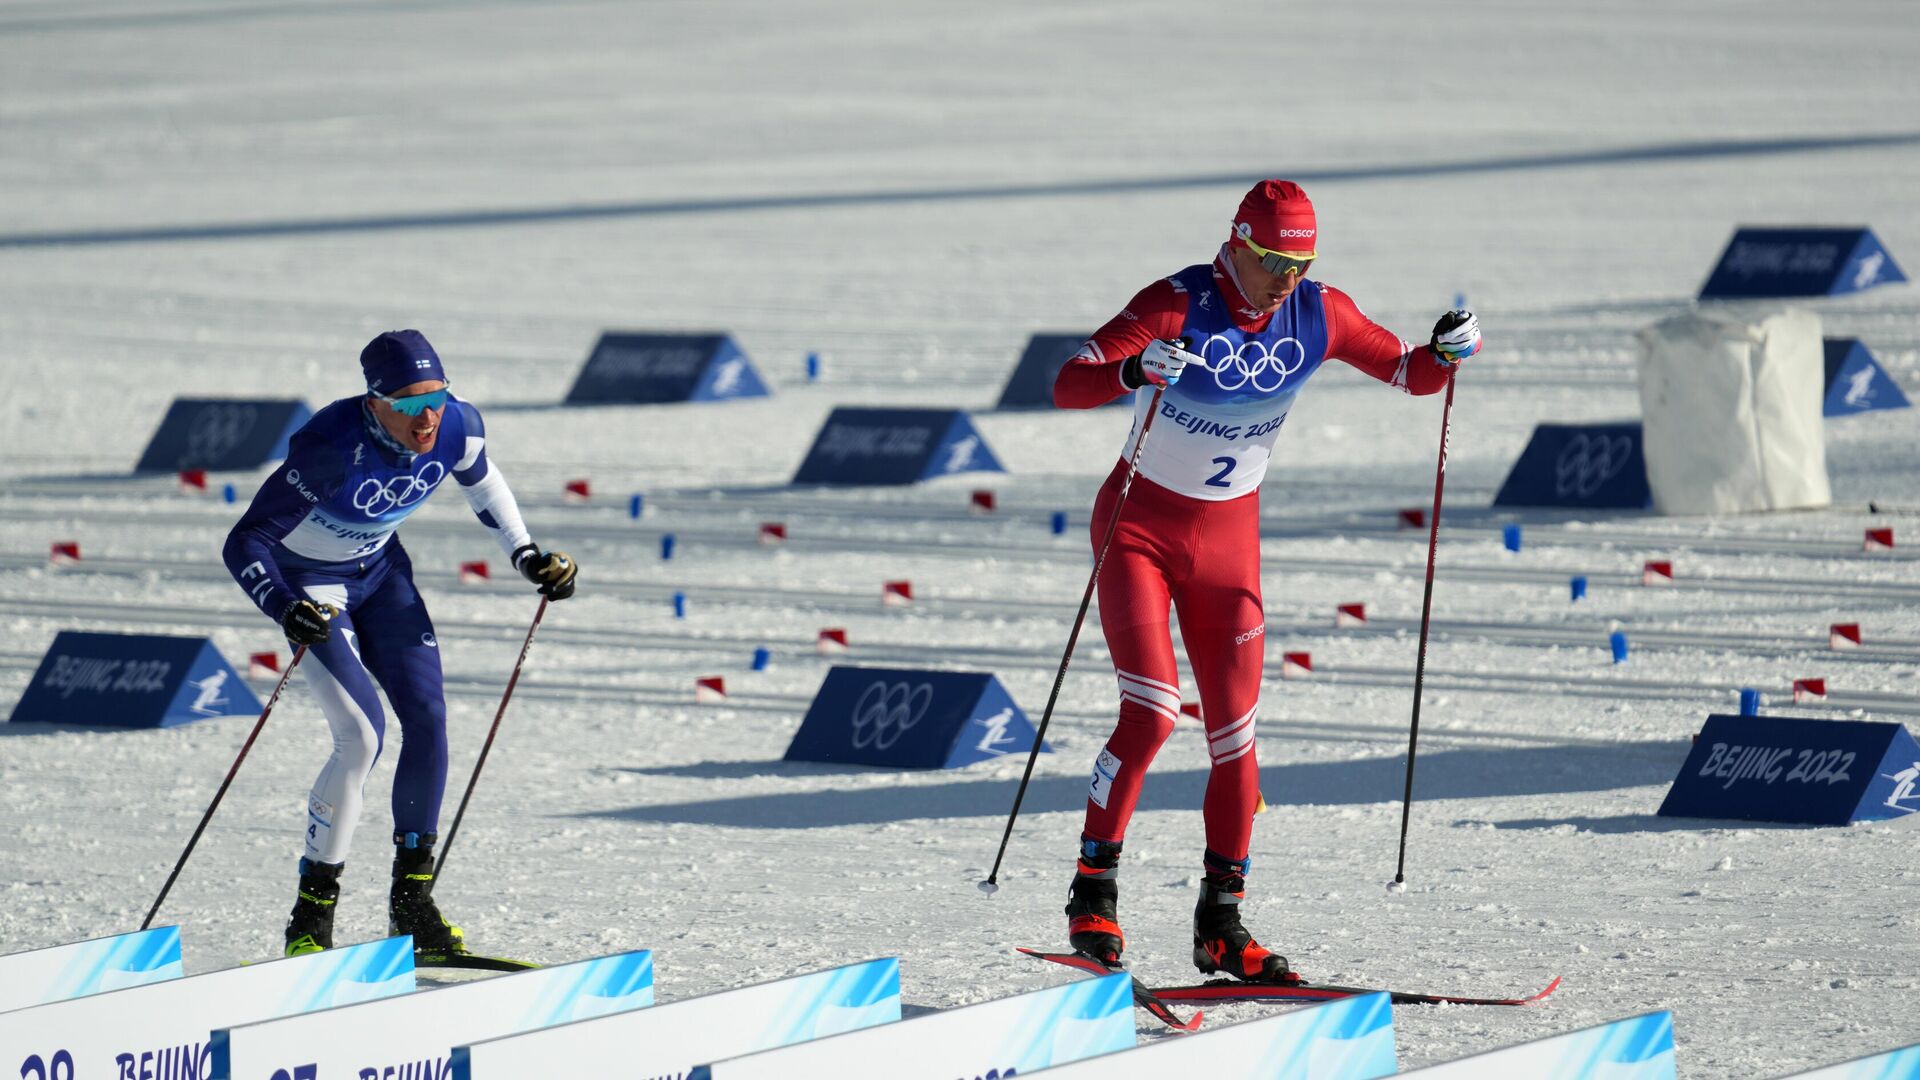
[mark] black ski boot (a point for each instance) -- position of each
(1220, 944)
(310, 926)
(410, 906)
(1093, 903)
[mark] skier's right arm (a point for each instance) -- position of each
(1094, 376)
(311, 472)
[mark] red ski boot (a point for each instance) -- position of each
(1220, 944)
(1093, 903)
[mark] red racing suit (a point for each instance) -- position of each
(1189, 534)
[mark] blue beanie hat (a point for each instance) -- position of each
(399, 358)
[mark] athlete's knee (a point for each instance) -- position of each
(1141, 724)
(1231, 743)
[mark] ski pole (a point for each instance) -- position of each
(525, 647)
(224, 784)
(1399, 883)
(991, 884)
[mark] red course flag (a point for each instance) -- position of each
(263, 665)
(1190, 708)
(1296, 665)
(897, 593)
(1350, 615)
(1413, 518)
(773, 532)
(1809, 690)
(1843, 635)
(983, 502)
(473, 573)
(63, 552)
(832, 640)
(578, 491)
(1878, 540)
(710, 690)
(1657, 572)
(193, 479)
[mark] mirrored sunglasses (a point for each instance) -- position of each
(1281, 262)
(415, 404)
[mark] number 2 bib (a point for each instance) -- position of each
(1215, 432)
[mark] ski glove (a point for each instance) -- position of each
(1161, 365)
(306, 622)
(1456, 336)
(553, 571)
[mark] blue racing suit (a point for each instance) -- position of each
(321, 528)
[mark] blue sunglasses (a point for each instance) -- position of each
(415, 404)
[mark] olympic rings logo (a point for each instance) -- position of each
(374, 499)
(886, 711)
(1588, 462)
(216, 430)
(1262, 365)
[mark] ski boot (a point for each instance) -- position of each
(310, 926)
(410, 906)
(1093, 903)
(1220, 944)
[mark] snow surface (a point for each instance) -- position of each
(230, 196)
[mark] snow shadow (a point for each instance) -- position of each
(1696, 150)
(1646, 823)
(1445, 774)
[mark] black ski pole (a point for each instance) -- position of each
(991, 884)
(224, 784)
(1399, 882)
(447, 844)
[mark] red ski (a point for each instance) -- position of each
(1142, 997)
(1228, 991)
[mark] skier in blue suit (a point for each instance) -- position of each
(316, 552)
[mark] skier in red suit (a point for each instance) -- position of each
(1229, 346)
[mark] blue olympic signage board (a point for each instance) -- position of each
(1012, 1036)
(652, 369)
(1798, 770)
(672, 1039)
(1593, 466)
(133, 681)
(222, 433)
(894, 446)
(1765, 262)
(1638, 1048)
(1902, 1064)
(1349, 1039)
(1031, 384)
(70, 971)
(165, 1029)
(414, 1034)
(911, 719)
(1856, 382)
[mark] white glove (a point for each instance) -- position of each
(1456, 336)
(1160, 364)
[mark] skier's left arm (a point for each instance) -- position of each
(493, 503)
(1423, 369)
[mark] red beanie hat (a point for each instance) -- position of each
(1277, 215)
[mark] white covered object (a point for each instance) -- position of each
(1731, 405)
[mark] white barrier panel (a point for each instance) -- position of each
(1349, 1039)
(415, 1035)
(669, 1040)
(89, 967)
(161, 1030)
(1000, 1038)
(1639, 1048)
(1892, 1065)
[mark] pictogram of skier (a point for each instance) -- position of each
(1232, 343)
(317, 552)
(1905, 783)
